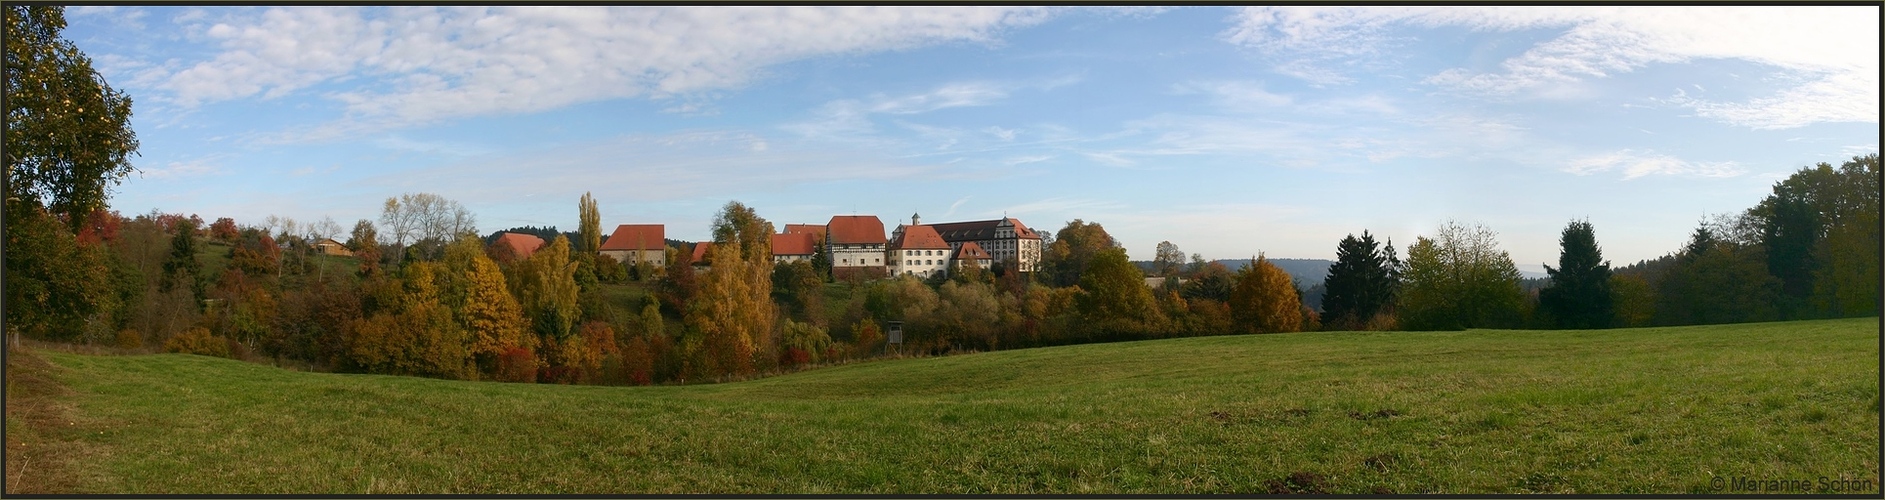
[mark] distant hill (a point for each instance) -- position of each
(1307, 272)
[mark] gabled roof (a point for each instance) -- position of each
(522, 245)
(817, 230)
(856, 229)
(793, 244)
(1022, 230)
(981, 230)
(700, 252)
(972, 251)
(919, 238)
(637, 237)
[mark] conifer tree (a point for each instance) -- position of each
(1579, 296)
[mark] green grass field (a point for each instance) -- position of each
(1657, 410)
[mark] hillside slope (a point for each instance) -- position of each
(1660, 410)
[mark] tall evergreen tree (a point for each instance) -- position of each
(1580, 295)
(1361, 283)
(182, 268)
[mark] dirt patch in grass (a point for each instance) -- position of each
(1298, 483)
(41, 456)
(1374, 415)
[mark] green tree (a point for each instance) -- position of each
(1460, 279)
(590, 229)
(1212, 281)
(1066, 259)
(1579, 296)
(182, 269)
(68, 137)
(1361, 283)
(1263, 300)
(737, 222)
(1715, 282)
(1635, 301)
(1113, 298)
(68, 140)
(1168, 260)
(548, 292)
(1846, 283)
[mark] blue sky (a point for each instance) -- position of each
(1227, 131)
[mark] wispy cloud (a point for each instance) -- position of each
(1634, 165)
(427, 64)
(193, 167)
(1839, 66)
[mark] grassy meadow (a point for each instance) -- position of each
(1654, 410)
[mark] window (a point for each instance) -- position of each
(847, 261)
(874, 261)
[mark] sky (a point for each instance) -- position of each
(1227, 131)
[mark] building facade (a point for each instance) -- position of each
(631, 243)
(917, 250)
(1005, 240)
(856, 245)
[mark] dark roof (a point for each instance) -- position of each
(980, 230)
(793, 244)
(637, 237)
(856, 229)
(919, 237)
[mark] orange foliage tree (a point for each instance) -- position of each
(1263, 300)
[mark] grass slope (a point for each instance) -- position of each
(1659, 410)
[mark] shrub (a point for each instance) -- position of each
(130, 339)
(517, 364)
(638, 362)
(198, 341)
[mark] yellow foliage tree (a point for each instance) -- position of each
(491, 315)
(1263, 300)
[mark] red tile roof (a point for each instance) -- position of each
(813, 229)
(793, 244)
(700, 252)
(972, 251)
(637, 237)
(522, 245)
(1022, 231)
(919, 238)
(856, 229)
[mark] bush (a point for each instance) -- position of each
(130, 339)
(198, 341)
(517, 364)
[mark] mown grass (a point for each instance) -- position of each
(1658, 410)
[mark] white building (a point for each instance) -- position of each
(917, 250)
(1005, 240)
(856, 246)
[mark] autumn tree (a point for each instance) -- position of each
(1460, 279)
(1065, 260)
(732, 312)
(68, 141)
(1212, 281)
(1263, 300)
(546, 289)
(1113, 298)
(364, 241)
(1361, 283)
(224, 230)
(590, 227)
(490, 314)
(425, 219)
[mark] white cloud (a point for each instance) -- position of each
(1833, 49)
(1005, 134)
(667, 167)
(1634, 165)
(1235, 94)
(422, 64)
(181, 169)
(948, 96)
